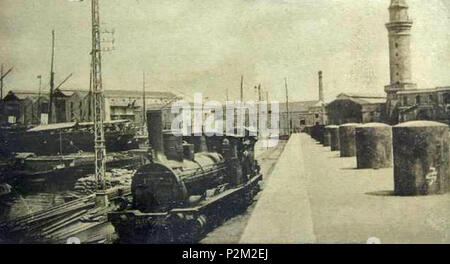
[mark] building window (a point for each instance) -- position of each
(418, 99)
(405, 100)
(11, 119)
(302, 122)
(44, 108)
(430, 97)
(446, 98)
(72, 111)
(317, 115)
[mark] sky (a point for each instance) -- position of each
(189, 46)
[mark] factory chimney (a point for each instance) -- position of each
(320, 87)
(155, 132)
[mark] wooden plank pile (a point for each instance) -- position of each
(56, 224)
(39, 225)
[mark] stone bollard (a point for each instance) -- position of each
(347, 139)
(327, 136)
(374, 146)
(421, 158)
(314, 132)
(334, 137)
(318, 133)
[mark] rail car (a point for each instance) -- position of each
(191, 185)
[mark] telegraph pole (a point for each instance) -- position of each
(287, 107)
(97, 89)
(144, 115)
(259, 93)
(242, 88)
(91, 97)
(52, 81)
(1, 83)
(39, 98)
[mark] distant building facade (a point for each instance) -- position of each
(424, 104)
(27, 108)
(301, 114)
(123, 104)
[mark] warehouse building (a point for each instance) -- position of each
(356, 108)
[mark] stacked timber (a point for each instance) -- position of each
(39, 226)
(64, 220)
(117, 177)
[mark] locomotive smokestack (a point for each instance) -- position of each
(320, 87)
(155, 131)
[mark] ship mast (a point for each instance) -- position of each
(52, 81)
(144, 116)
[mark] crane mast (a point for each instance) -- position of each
(97, 89)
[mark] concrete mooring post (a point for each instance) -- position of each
(308, 130)
(421, 158)
(374, 146)
(326, 137)
(334, 137)
(347, 142)
(318, 133)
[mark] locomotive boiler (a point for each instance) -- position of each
(190, 185)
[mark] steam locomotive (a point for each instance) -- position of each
(191, 185)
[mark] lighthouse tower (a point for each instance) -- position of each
(399, 28)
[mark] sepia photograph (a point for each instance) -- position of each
(237, 122)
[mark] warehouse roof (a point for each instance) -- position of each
(362, 98)
(299, 106)
(20, 95)
(23, 94)
(424, 90)
(137, 94)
